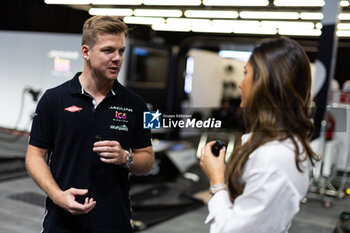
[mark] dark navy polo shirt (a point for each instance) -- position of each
(67, 123)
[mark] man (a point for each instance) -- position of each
(82, 132)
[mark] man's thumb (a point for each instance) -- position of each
(79, 192)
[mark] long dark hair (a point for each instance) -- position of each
(278, 105)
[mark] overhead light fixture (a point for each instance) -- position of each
(172, 2)
(257, 30)
(294, 24)
(299, 32)
(319, 25)
(344, 16)
(341, 33)
(171, 27)
(235, 2)
(344, 3)
(268, 15)
(246, 23)
(211, 29)
(116, 2)
(223, 23)
(311, 15)
(157, 12)
(233, 54)
(143, 20)
(299, 3)
(343, 26)
(211, 14)
(75, 2)
(188, 22)
(110, 11)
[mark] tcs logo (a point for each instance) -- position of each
(120, 115)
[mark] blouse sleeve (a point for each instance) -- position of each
(267, 205)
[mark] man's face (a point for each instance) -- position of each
(107, 55)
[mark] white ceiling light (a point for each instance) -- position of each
(246, 23)
(341, 33)
(171, 27)
(251, 30)
(319, 25)
(172, 2)
(75, 2)
(211, 29)
(300, 3)
(211, 14)
(110, 11)
(238, 55)
(235, 2)
(344, 16)
(143, 20)
(190, 22)
(157, 12)
(311, 15)
(299, 32)
(294, 24)
(344, 3)
(268, 15)
(223, 23)
(343, 26)
(116, 2)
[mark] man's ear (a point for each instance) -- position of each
(85, 52)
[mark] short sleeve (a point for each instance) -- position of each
(141, 137)
(41, 132)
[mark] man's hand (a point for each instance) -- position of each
(110, 152)
(66, 200)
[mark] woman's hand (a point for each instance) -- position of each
(213, 167)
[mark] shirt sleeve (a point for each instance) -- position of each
(267, 205)
(141, 137)
(41, 133)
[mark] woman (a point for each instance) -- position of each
(268, 174)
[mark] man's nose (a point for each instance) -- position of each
(116, 56)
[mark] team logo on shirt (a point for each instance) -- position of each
(73, 109)
(120, 115)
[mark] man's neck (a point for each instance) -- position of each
(96, 88)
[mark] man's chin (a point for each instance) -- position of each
(112, 76)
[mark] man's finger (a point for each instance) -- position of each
(79, 192)
(103, 148)
(112, 161)
(107, 155)
(106, 143)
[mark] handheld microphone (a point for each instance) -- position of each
(217, 147)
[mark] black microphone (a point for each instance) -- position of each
(217, 147)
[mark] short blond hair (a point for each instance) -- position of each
(101, 24)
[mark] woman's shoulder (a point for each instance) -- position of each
(275, 154)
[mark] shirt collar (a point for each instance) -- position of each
(76, 88)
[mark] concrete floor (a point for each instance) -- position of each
(19, 216)
(21, 204)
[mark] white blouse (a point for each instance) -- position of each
(271, 197)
